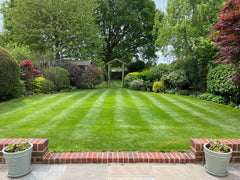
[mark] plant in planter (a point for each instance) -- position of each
(18, 158)
(217, 157)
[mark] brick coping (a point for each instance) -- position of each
(41, 155)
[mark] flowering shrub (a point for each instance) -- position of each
(91, 77)
(28, 70)
(136, 84)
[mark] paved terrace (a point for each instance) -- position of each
(118, 171)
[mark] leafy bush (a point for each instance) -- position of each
(158, 87)
(48, 86)
(147, 75)
(218, 83)
(148, 85)
(212, 98)
(91, 76)
(184, 92)
(69, 89)
(176, 79)
(21, 89)
(38, 84)
(74, 70)
(129, 78)
(9, 75)
(59, 76)
(136, 84)
(35, 84)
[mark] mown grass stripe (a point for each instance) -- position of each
(202, 114)
(205, 106)
(92, 114)
(120, 115)
(24, 105)
(66, 113)
(176, 111)
(30, 117)
(163, 109)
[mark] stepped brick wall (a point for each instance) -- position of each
(196, 148)
(196, 155)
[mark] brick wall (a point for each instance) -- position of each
(196, 148)
(41, 155)
(40, 149)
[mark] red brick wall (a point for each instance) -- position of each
(196, 148)
(40, 148)
(41, 155)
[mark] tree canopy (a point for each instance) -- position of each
(127, 29)
(65, 27)
(184, 21)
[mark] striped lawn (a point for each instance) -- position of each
(117, 119)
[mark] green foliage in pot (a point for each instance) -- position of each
(21, 146)
(218, 147)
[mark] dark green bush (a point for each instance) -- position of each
(218, 83)
(74, 70)
(176, 79)
(48, 86)
(9, 75)
(212, 98)
(59, 76)
(184, 92)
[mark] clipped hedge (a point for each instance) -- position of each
(218, 83)
(9, 75)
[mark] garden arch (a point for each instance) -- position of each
(109, 68)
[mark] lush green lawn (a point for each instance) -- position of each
(117, 119)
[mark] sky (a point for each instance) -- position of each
(160, 4)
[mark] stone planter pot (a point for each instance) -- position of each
(18, 163)
(216, 162)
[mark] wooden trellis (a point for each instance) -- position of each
(109, 69)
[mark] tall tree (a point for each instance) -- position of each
(127, 29)
(184, 21)
(65, 27)
(227, 36)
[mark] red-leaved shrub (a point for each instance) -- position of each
(28, 70)
(91, 76)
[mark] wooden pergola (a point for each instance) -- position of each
(109, 69)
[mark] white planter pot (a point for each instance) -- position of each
(216, 162)
(18, 163)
